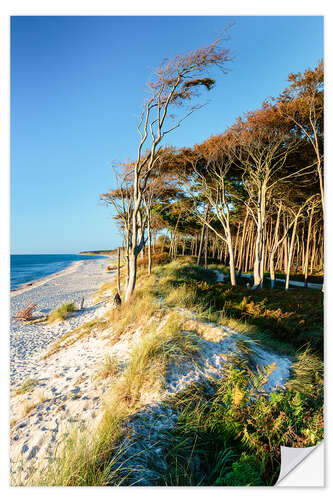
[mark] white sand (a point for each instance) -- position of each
(27, 342)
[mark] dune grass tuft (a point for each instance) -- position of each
(109, 367)
(27, 386)
(61, 312)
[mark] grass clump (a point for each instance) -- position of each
(61, 312)
(28, 406)
(27, 386)
(82, 460)
(158, 348)
(109, 367)
(130, 315)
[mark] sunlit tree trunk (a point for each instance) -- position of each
(291, 254)
(306, 261)
(203, 232)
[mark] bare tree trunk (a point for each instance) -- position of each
(274, 248)
(258, 269)
(231, 260)
(285, 248)
(203, 232)
(132, 275)
(135, 248)
(291, 253)
(118, 272)
(240, 253)
(248, 248)
(206, 248)
(306, 262)
(313, 250)
(236, 242)
(127, 257)
(149, 244)
(297, 254)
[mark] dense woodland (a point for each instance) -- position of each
(250, 197)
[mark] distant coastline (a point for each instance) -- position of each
(106, 253)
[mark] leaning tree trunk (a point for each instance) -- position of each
(137, 241)
(241, 250)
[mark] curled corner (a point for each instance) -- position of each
(293, 457)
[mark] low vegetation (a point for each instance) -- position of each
(109, 367)
(27, 386)
(61, 312)
(228, 430)
(231, 436)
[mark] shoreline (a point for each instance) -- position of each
(30, 285)
(29, 341)
(62, 389)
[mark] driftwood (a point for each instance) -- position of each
(26, 313)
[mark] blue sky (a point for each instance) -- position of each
(77, 86)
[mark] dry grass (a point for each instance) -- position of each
(30, 405)
(108, 368)
(27, 386)
(61, 313)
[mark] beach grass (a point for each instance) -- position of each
(27, 386)
(61, 312)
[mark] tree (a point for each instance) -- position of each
(211, 175)
(262, 147)
(174, 86)
(303, 104)
(121, 199)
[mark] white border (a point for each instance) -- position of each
(138, 7)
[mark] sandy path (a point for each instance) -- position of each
(316, 286)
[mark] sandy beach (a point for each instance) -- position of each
(39, 415)
(75, 283)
